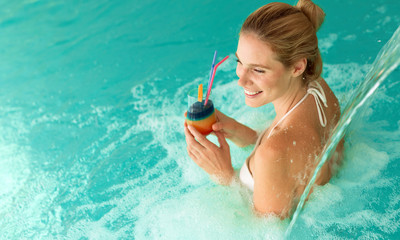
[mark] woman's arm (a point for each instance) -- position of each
(238, 133)
(272, 186)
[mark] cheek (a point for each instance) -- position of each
(276, 78)
(265, 80)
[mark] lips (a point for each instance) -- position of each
(251, 94)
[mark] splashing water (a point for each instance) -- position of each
(91, 112)
(387, 60)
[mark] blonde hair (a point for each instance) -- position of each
(291, 32)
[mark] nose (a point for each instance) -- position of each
(242, 74)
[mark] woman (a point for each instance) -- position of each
(278, 62)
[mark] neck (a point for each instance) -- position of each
(287, 101)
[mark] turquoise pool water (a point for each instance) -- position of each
(92, 96)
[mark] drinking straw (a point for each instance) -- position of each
(212, 79)
(212, 68)
(200, 93)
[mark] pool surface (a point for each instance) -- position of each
(92, 96)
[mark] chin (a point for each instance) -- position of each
(253, 104)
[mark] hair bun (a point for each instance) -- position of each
(314, 13)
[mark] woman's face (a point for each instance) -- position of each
(263, 78)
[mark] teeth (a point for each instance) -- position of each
(251, 93)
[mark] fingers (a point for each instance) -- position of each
(222, 141)
(201, 138)
(223, 121)
(218, 126)
(185, 114)
(196, 155)
(190, 138)
(195, 150)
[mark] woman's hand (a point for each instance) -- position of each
(238, 133)
(216, 161)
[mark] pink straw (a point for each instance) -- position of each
(212, 79)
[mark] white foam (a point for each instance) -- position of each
(13, 171)
(174, 192)
(212, 212)
(350, 37)
(325, 44)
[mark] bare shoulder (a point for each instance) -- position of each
(273, 170)
(330, 95)
(286, 145)
(271, 154)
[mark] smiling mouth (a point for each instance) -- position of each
(251, 94)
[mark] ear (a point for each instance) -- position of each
(299, 67)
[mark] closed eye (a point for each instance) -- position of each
(259, 70)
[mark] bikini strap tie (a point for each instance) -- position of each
(317, 91)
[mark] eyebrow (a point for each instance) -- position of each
(253, 64)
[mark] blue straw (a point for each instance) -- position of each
(212, 69)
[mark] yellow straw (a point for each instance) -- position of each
(200, 93)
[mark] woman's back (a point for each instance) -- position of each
(300, 138)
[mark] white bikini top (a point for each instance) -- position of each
(315, 89)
